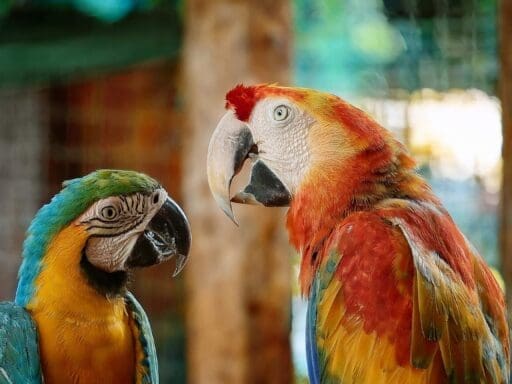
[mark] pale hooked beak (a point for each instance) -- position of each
(230, 145)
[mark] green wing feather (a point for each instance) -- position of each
(19, 354)
(148, 360)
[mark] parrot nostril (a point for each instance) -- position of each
(254, 149)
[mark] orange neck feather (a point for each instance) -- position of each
(379, 171)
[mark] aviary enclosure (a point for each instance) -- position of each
(88, 84)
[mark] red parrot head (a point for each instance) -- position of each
(303, 144)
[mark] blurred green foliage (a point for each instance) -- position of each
(53, 43)
(105, 10)
(355, 47)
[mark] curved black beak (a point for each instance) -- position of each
(264, 188)
(166, 235)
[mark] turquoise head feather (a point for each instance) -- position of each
(75, 197)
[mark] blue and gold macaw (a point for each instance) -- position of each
(73, 320)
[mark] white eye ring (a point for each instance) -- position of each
(281, 112)
(109, 212)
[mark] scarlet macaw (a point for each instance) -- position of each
(396, 293)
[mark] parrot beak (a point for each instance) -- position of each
(166, 235)
(264, 188)
(231, 144)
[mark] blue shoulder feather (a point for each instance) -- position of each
(149, 360)
(311, 348)
(19, 354)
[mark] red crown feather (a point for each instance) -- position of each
(242, 100)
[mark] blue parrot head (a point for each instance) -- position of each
(129, 219)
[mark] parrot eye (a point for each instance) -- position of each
(109, 212)
(281, 112)
(156, 197)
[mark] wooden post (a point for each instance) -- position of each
(238, 278)
(505, 26)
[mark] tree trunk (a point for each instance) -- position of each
(505, 26)
(238, 279)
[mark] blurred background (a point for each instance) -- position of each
(140, 84)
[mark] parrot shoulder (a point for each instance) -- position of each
(19, 352)
(147, 363)
(359, 304)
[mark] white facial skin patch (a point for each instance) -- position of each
(114, 225)
(280, 129)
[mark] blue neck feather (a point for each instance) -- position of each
(43, 228)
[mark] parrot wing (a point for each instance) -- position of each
(147, 363)
(457, 304)
(360, 307)
(390, 304)
(19, 353)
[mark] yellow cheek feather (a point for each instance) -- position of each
(83, 336)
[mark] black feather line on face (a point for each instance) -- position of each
(109, 284)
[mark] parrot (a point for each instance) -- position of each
(395, 292)
(73, 319)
